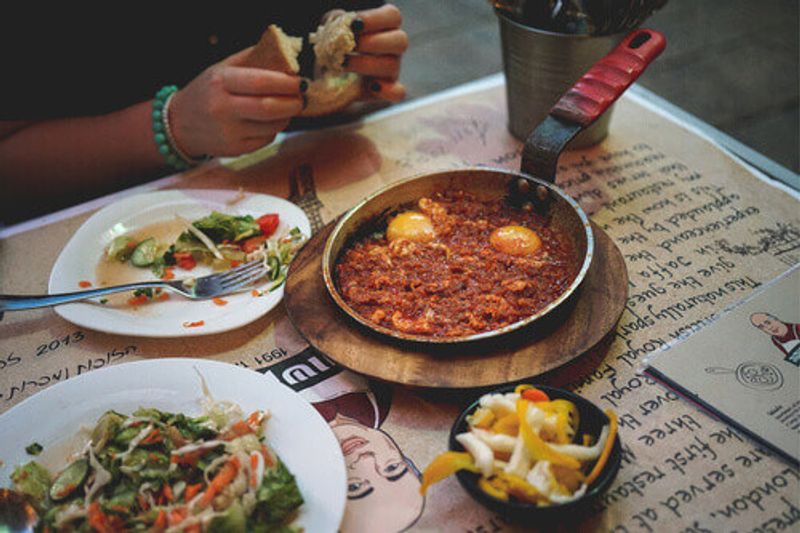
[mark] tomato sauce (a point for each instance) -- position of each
(457, 284)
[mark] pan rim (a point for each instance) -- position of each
(330, 285)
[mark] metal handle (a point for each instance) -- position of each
(11, 302)
(607, 79)
(591, 95)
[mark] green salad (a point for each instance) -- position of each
(219, 240)
(160, 471)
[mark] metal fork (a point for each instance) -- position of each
(201, 288)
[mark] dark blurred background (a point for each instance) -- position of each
(731, 63)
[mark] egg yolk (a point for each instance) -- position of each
(515, 240)
(412, 226)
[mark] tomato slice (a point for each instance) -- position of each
(268, 223)
(185, 260)
(253, 243)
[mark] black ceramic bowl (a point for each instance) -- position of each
(592, 420)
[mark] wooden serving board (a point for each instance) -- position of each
(542, 347)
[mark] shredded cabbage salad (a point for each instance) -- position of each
(160, 471)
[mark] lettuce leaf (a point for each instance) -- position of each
(277, 498)
(221, 227)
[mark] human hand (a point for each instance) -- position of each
(380, 46)
(230, 109)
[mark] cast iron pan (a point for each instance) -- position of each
(531, 188)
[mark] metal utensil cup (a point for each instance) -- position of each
(540, 66)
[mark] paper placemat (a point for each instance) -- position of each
(698, 230)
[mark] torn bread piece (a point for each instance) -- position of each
(332, 42)
(276, 51)
(332, 89)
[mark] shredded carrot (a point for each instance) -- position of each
(143, 505)
(601, 461)
(194, 528)
(167, 490)
(152, 437)
(161, 520)
(137, 300)
(97, 519)
(194, 324)
(239, 429)
(177, 516)
(169, 273)
(223, 478)
(191, 491)
(235, 263)
(163, 296)
(219, 301)
(254, 420)
(84, 284)
(253, 468)
(255, 293)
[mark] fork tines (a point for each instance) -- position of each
(243, 274)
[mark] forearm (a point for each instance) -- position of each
(77, 157)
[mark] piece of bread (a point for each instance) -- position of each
(330, 94)
(332, 89)
(332, 42)
(276, 51)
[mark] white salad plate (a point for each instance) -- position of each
(79, 259)
(295, 431)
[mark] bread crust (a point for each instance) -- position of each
(275, 51)
(325, 97)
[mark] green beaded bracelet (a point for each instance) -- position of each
(162, 134)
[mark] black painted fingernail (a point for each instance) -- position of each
(305, 100)
(375, 87)
(303, 85)
(357, 25)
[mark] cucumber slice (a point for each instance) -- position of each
(274, 267)
(145, 253)
(120, 248)
(69, 480)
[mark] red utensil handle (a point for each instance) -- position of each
(608, 78)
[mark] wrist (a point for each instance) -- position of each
(164, 132)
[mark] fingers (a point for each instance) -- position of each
(380, 46)
(383, 66)
(390, 90)
(265, 109)
(386, 17)
(256, 81)
(392, 42)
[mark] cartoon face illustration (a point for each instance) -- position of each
(383, 485)
(769, 324)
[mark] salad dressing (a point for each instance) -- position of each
(110, 273)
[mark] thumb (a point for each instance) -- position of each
(238, 58)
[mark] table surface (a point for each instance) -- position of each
(670, 191)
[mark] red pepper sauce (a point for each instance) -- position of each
(457, 284)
